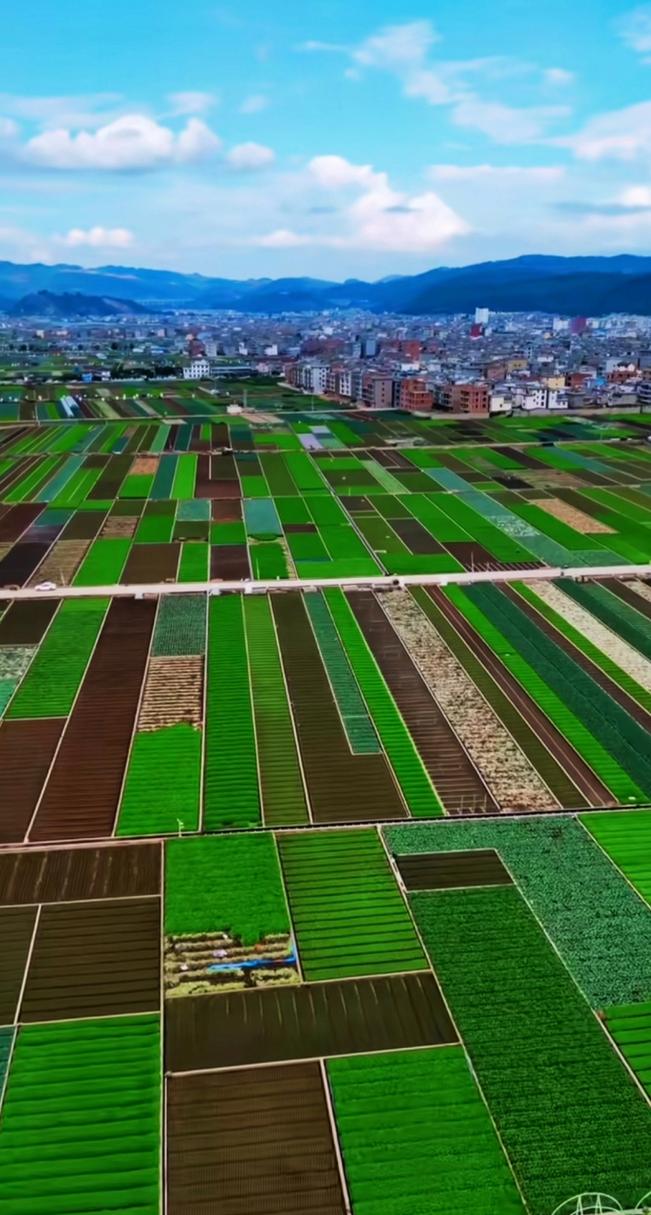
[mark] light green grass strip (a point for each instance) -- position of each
(53, 679)
(225, 883)
(163, 782)
(349, 916)
(231, 797)
(283, 795)
(417, 1137)
(626, 838)
(103, 563)
(81, 1119)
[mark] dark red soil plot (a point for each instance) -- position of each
(455, 778)
(278, 1024)
(108, 484)
(16, 520)
(16, 927)
(449, 870)
(94, 959)
(473, 555)
(151, 563)
(257, 1140)
(342, 787)
(67, 874)
(575, 784)
(25, 622)
(20, 562)
(226, 510)
(229, 561)
(84, 525)
(81, 797)
(26, 752)
(389, 458)
(415, 536)
(521, 457)
(357, 504)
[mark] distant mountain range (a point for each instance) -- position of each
(71, 304)
(589, 286)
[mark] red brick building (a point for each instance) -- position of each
(464, 398)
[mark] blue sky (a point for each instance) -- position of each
(323, 137)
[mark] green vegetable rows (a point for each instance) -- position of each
(566, 1110)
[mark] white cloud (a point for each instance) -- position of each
(282, 238)
(333, 172)
(635, 196)
(131, 142)
(504, 123)
(378, 217)
(619, 135)
(635, 29)
(192, 102)
(404, 51)
(254, 104)
(195, 142)
(511, 174)
(81, 110)
(558, 77)
(248, 157)
(8, 128)
(97, 238)
(397, 45)
(315, 45)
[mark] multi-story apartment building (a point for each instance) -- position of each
(377, 390)
(413, 395)
(464, 398)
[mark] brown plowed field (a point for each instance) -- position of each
(306, 1022)
(342, 787)
(582, 786)
(108, 484)
(21, 562)
(173, 693)
(449, 870)
(229, 561)
(61, 563)
(84, 525)
(16, 927)
(81, 796)
(17, 520)
(94, 959)
(257, 1140)
(415, 536)
(25, 623)
(151, 563)
(226, 510)
(26, 752)
(520, 456)
(67, 874)
(119, 527)
(456, 780)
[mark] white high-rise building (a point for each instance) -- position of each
(482, 316)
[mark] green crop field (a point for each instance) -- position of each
(332, 897)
